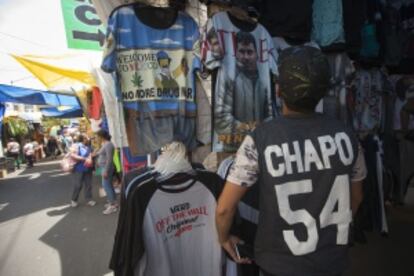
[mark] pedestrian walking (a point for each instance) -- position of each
(52, 146)
(310, 170)
(29, 151)
(13, 151)
(81, 151)
(105, 164)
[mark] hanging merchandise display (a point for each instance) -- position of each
(113, 120)
(168, 214)
(369, 87)
(328, 22)
(283, 18)
(153, 52)
(370, 46)
(94, 103)
(244, 57)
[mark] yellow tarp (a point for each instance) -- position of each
(52, 76)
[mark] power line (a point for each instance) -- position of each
(22, 79)
(25, 40)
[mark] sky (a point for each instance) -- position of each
(36, 28)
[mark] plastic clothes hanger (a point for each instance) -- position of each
(242, 14)
(172, 161)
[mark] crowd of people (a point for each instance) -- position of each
(87, 160)
(33, 150)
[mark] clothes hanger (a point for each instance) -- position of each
(242, 14)
(172, 160)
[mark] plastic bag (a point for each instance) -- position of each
(67, 164)
(88, 162)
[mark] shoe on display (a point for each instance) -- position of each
(73, 204)
(111, 209)
(91, 203)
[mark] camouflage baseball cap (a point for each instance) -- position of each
(304, 75)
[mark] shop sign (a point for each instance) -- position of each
(84, 29)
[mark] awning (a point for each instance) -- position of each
(53, 112)
(53, 76)
(23, 95)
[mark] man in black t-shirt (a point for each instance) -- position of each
(310, 170)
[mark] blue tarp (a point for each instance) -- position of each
(23, 95)
(65, 114)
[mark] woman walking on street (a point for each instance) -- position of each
(82, 171)
(105, 164)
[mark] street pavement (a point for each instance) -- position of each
(41, 235)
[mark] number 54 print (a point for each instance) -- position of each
(342, 217)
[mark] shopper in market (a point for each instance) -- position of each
(310, 170)
(28, 152)
(106, 167)
(52, 147)
(13, 151)
(81, 152)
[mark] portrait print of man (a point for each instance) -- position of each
(242, 102)
(214, 44)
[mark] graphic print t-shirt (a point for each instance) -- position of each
(155, 73)
(168, 228)
(243, 86)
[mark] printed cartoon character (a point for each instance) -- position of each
(166, 79)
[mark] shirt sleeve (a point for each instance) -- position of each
(359, 171)
(211, 47)
(273, 56)
(109, 53)
(196, 48)
(245, 169)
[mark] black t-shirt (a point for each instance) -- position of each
(291, 19)
(305, 168)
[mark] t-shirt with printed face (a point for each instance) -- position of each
(243, 86)
(156, 81)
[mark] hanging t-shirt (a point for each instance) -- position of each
(95, 104)
(369, 87)
(328, 23)
(283, 18)
(407, 17)
(169, 226)
(407, 24)
(244, 60)
(156, 81)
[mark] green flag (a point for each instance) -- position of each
(84, 29)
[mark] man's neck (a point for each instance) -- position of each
(289, 112)
(253, 75)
